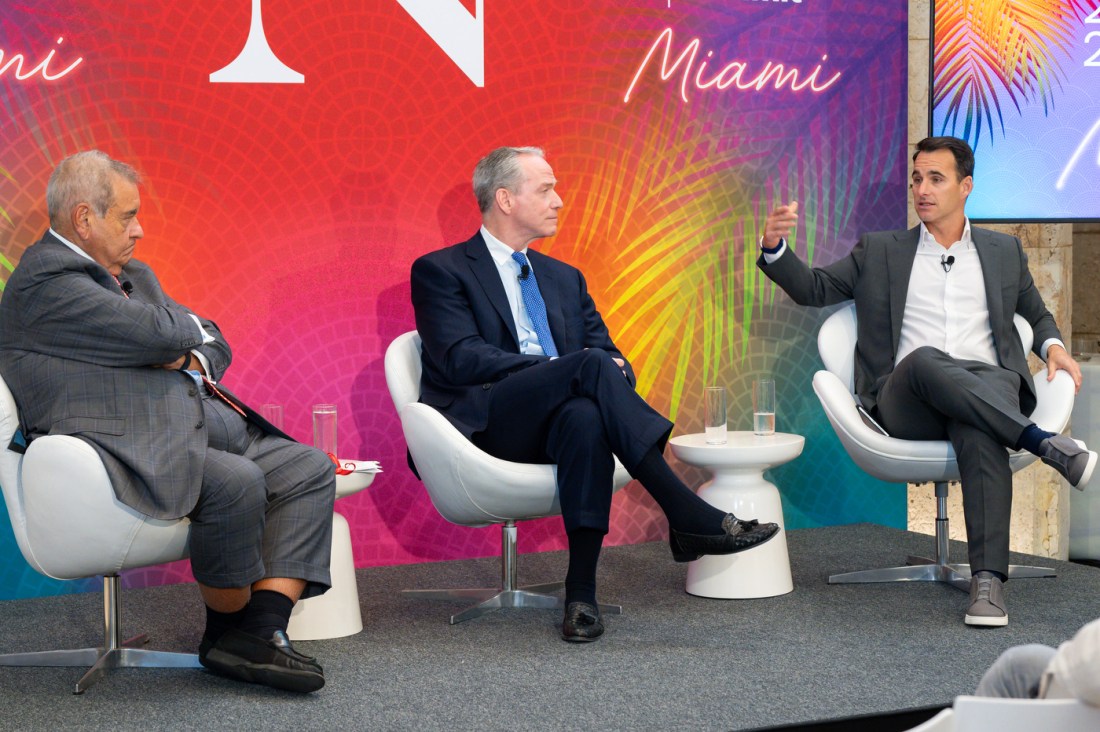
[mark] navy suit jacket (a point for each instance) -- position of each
(469, 335)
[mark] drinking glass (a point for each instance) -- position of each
(714, 421)
(763, 407)
(273, 413)
(324, 428)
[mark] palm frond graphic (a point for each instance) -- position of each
(665, 219)
(993, 52)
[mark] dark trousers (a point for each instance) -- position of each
(932, 396)
(576, 412)
(265, 509)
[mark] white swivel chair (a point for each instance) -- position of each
(69, 525)
(912, 461)
(472, 488)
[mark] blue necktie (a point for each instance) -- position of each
(536, 307)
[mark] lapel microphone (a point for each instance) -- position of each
(946, 262)
(127, 287)
(524, 271)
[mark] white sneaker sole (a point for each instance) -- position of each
(986, 621)
(1088, 468)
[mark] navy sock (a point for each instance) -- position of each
(996, 574)
(218, 623)
(267, 612)
(685, 511)
(584, 554)
(1031, 438)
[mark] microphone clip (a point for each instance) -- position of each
(946, 262)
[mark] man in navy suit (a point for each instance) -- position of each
(937, 356)
(516, 356)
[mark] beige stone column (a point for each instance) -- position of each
(1040, 506)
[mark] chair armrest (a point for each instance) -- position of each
(1055, 400)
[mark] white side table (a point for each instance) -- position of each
(738, 487)
(336, 613)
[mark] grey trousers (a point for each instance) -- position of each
(265, 509)
(932, 396)
(1017, 673)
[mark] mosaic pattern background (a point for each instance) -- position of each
(290, 213)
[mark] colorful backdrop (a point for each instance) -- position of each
(1021, 82)
(291, 181)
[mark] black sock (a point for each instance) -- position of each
(1031, 438)
(218, 623)
(267, 612)
(584, 554)
(684, 510)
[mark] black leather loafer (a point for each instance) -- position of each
(582, 623)
(737, 536)
(272, 662)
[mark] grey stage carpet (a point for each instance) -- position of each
(672, 661)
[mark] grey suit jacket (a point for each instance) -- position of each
(875, 274)
(78, 356)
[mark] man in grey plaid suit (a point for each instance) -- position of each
(92, 346)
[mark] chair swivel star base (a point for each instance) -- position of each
(937, 569)
(114, 653)
(509, 594)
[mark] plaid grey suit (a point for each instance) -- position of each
(78, 355)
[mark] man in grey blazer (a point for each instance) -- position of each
(91, 346)
(937, 356)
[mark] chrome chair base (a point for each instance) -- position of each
(113, 654)
(491, 599)
(937, 569)
(508, 595)
(923, 569)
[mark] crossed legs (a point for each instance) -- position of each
(578, 411)
(931, 396)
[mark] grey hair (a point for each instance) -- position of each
(500, 169)
(85, 177)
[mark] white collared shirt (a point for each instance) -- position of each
(946, 306)
(509, 271)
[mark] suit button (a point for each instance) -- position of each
(192, 392)
(199, 425)
(486, 387)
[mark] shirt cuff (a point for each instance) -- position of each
(1047, 344)
(770, 255)
(206, 337)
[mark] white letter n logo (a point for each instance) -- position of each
(459, 34)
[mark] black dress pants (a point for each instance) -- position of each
(576, 411)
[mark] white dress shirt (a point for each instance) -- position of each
(509, 271)
(945, 305)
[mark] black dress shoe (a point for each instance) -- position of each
(737, 536)
(273, 662)
(582, 623)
